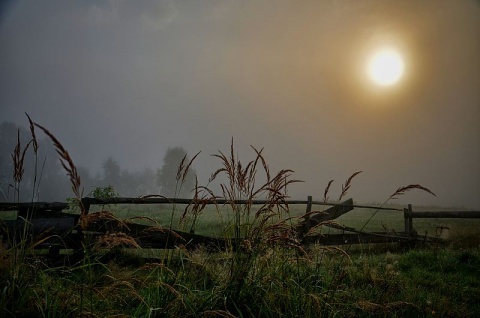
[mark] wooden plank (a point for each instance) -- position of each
(35, 209)
(47, 206)
(444, 214)
(161, 200)
(332, 213)
(50, 206)
(39, 225)
(312, 219)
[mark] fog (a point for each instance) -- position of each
(129, 79)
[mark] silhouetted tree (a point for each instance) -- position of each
(111, 173)
(145, 182)
(171, 184)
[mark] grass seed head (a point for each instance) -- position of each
(66, 161)
(402, 190)
(348, 183)
(18, 157)
(115, 239)
(32, 131)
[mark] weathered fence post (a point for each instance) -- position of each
(86, 202)
(407, 215)
(307, 212)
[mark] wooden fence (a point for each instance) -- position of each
(51, 218)
(409, 215)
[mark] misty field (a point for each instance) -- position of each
(264, 270)
(213, 220)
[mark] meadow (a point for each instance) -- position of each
(271, 275)
(214, 220)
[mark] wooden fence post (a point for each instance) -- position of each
(407, 215)
(86, 204)
(308, 210)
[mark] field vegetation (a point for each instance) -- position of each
(270, 275)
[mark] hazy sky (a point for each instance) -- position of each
(131, 78)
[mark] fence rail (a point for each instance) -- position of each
(88, 201)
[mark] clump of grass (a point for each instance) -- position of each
(253, 230)
(109, 241)
(116, 239)
(18, 269)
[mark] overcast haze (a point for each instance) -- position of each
(129, 79)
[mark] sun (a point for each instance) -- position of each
(386, 67)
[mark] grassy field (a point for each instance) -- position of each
(264, 281)
(372, 281)
(213, 221)
(260, 280)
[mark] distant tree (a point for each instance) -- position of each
(111, 173)
(172, 185)
(146, 182)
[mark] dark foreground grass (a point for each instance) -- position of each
(427, 282)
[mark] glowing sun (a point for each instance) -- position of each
(386, 67)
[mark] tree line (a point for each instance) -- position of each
(44, 179)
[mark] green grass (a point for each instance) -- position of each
(212, 221)
(268, 281)
(426, 282)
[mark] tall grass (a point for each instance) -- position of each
(254, 231)
(16, 271)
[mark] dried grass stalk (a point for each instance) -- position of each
(18, 157)
(348, 183)
(111, 240)
(180, 167)
(102, 217)
(187, 167)
(402, 190)
(32, 131)
(70, 168)
(158, 229)
(325, 193)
